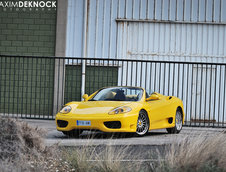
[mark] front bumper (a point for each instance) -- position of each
(128, 122)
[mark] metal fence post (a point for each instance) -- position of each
(85, 31)
(83, 78)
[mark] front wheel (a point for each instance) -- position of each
(178, 124)
(142, 124)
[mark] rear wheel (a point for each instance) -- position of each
(73, 133)
(142, 124)
(178, 123)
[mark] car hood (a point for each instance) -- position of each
(97, 107)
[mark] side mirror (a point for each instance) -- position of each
(153, 97)
(85, 97)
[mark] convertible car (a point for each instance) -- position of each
(122, 109)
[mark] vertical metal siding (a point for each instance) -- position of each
(103, 29)
(181, 42)
(74, 28)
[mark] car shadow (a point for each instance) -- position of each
(103, 135)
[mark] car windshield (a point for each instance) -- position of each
(119, 94)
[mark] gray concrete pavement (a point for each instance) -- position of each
(155, 137)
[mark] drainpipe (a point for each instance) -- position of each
(84, 49)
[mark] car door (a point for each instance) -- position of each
(159, 112)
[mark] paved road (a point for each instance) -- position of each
(155, 137)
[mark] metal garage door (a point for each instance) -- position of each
(171, 41)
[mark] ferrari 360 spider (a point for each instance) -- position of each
(122, 109)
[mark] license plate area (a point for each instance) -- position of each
(83, 123)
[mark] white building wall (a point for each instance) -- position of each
(171, 41)
(184, 27)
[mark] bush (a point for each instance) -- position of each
(22, 148)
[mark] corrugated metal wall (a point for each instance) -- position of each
(184, 27)
(167, 41)
(74, 28)
(101, 26)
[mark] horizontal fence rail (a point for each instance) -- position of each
(38, 87)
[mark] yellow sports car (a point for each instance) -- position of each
(122, 109)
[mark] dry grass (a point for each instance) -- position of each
(200, 153)
(22, 148)
(106, 158)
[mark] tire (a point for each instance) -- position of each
(142, 124)
(73, 133)
(178, 123)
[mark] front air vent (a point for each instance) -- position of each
(113, 124)
(62, 123)
(170, 120)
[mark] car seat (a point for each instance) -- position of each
(120, 96)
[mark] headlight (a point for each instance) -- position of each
(118, 110)
(66, 109)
